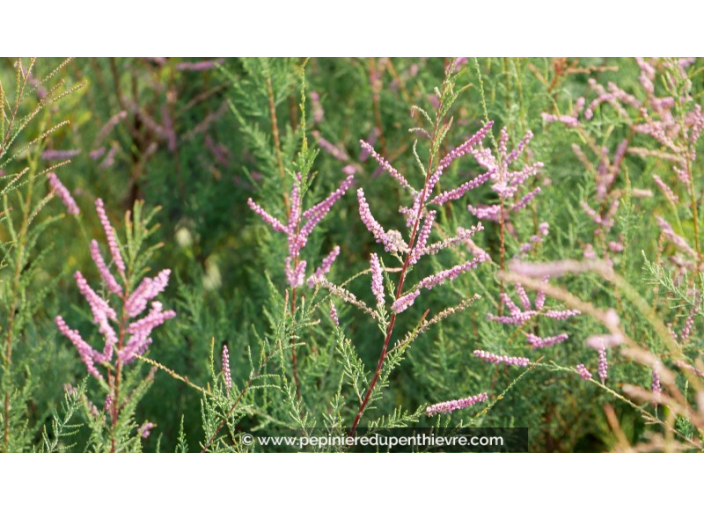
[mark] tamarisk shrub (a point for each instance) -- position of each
(420, 220)
(126, 329)
(27, 351)
(481, 265)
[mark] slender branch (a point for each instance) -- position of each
(237, 401)
(275, 133)
(19, 263)
(404, 270)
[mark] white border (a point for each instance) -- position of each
(362, 27)
(350, 481)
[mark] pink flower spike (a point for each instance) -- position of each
(423, 236)
(537, 342)
(333, 314)
(63, 194)
(330, 148)
(268, 218)
(324, 268)
(689, 322)
(111, 237)
(681, 175)
(567, 120)
(371, 140)
(294, 217)
(146, 291)
(295, 275)
(655, 386)
(485, 212)
(450, 274)
(372, 225)
(615, 247)
(515, 153)
(463, 235)
(526, 199)
(603, 365)
(141, 331)
(85, 351)
(669, 194)
(316, 213)
(454, 405)
(377, 280)
(675, 239)
(100, 308)
(458, 193)
(561, 315)
(599, 342)
(496, 359)
(405, 302)
(583, 372)
(105, 273)
(226, 369)
(51, 154)
(317, 108)
(465, 147)
(540, 298)
(386, 165)
(146, 429)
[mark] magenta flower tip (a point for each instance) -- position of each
(490, 357)
(63, 194)
(110, 236)
(333, 314)
(453, 405)
(377, 280)
(226, 368)
(583, 372)
(404, 302)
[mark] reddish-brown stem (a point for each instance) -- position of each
(237, 401)
(115, 408)
(402, 278)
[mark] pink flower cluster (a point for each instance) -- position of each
(603, 365)
(63, 194)
(405, 301)
(333, 314)
(105, 316)
(226, 368)
(655, 386)
(519, 317)
(377, 280)
(490, 357)
(537, 342)
(583, 372)
(454, 405)
(422, 219)
(330, 148)
(506, 183)
(146, 429)
(675, 123)
(298, 232)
